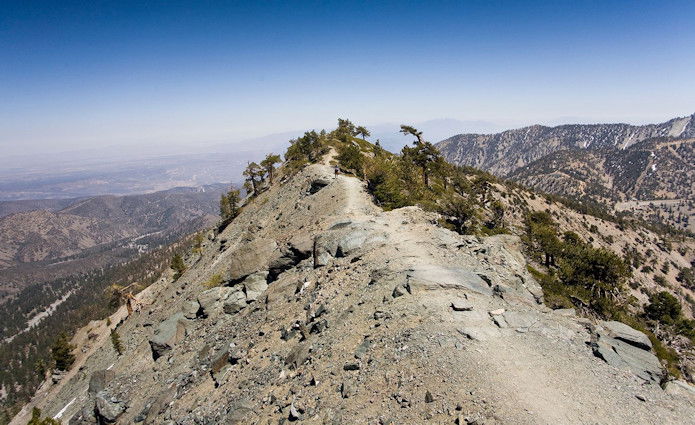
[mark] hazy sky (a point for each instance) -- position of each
(92, 73)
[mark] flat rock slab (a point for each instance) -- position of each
(479, 333)
(680, 388)
(624, 347)
(627, 334)
(344, 239)
(433, 277)
(519, 319)
(461, 304)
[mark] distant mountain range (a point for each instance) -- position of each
(503, 153)
(618, 165)
(54, 240)
(652, 169)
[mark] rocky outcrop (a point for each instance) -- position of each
(431, 277)
(255, 285)
(168, 334)
(108, 408)
(624, 347)
(253, 256)
(99, 380)
(343, 239)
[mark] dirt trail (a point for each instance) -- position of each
(547, 374)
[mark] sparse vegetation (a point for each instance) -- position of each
(37, 420)
(214, 281)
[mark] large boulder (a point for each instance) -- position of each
(252, 257)
(344, 238)
(168, 333)
(255, 285)
(624, 347)
(108, 408)
(235, 302)
(191, 309)
(627, 334)
(212, 300)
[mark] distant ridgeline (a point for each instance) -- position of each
(601, 163)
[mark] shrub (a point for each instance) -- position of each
(663, 307)
(214, 281)
(36, 418)
(350, 158)
(660, 280)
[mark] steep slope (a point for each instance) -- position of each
(657, 172)
(654, 169)
(41, 235)
(332, 311)
(505, 152)
(12, 207)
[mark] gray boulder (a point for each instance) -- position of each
(343, 239)
(624, 347)
(191, 309)
(212, 300)
(255, 285)
(234, 303)
(461, 304)
(108, 408)
(168, 333)
(253, 257)
(627, 334)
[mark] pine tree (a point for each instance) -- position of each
(178, 266)
(116, 342)
(254, 174)
(229, 206)
(268, 165)
(362, 131)
(62, 353)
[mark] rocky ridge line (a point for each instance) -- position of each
(332, 311)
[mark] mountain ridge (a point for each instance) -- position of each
(314, 305)
(504, 152)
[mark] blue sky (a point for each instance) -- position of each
(92, 73)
